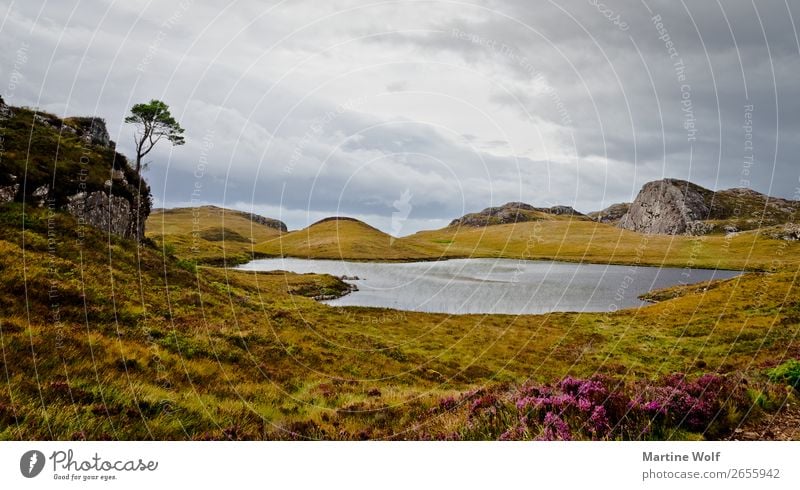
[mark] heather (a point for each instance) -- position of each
(602, 407)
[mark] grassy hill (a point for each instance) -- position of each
(208, 234)
(348, 238)
(114, 340)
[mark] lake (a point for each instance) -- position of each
(494, 285)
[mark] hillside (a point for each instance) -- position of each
(209, 234)
(345, 238)
(132, 344)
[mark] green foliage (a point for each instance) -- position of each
(788, 372)
(153, 122)
(187, 265)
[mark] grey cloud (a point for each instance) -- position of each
(258, 82)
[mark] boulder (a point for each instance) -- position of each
(8, 192)
(669, 206)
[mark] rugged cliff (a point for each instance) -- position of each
(678, 207)
(512, 212)
(268, 222)
(70, 164)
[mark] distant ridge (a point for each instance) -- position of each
(513, 212)
(338, 218)
(210, 208)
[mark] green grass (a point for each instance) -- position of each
(128, 343)
(788, 372)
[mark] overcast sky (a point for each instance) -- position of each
(425, 110)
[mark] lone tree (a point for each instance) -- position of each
(153, 123)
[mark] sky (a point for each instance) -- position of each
(408, 114)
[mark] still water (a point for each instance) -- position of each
(494, 285)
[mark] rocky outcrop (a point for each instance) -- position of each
(71, 165)
(512, 212)
(9, 191)
(789, 232)
(561, 210)
(611, 214)
(5, 110)
(678, 207)
(268, 222)
(107, 212)
(670, 207)
(91, 129)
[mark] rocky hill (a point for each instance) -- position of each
(678, 207)
(268, 222)
(70, 164)
(611, 214)
(512, 212)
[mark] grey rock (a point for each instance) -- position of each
(92, 129)
(8, 192)
(789, 232)
(730, 229)
(114, 214)
(669, 206)
(5, 109)
(611, 214)
(40, 195)
(268, 222)
(678, 207)
(562, 210)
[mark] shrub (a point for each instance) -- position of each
(602, 407)
(788, 372)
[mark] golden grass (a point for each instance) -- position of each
(207, 233)
(344, 239)
(166, 351)
(560, 238)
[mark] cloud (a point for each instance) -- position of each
(302, 109)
